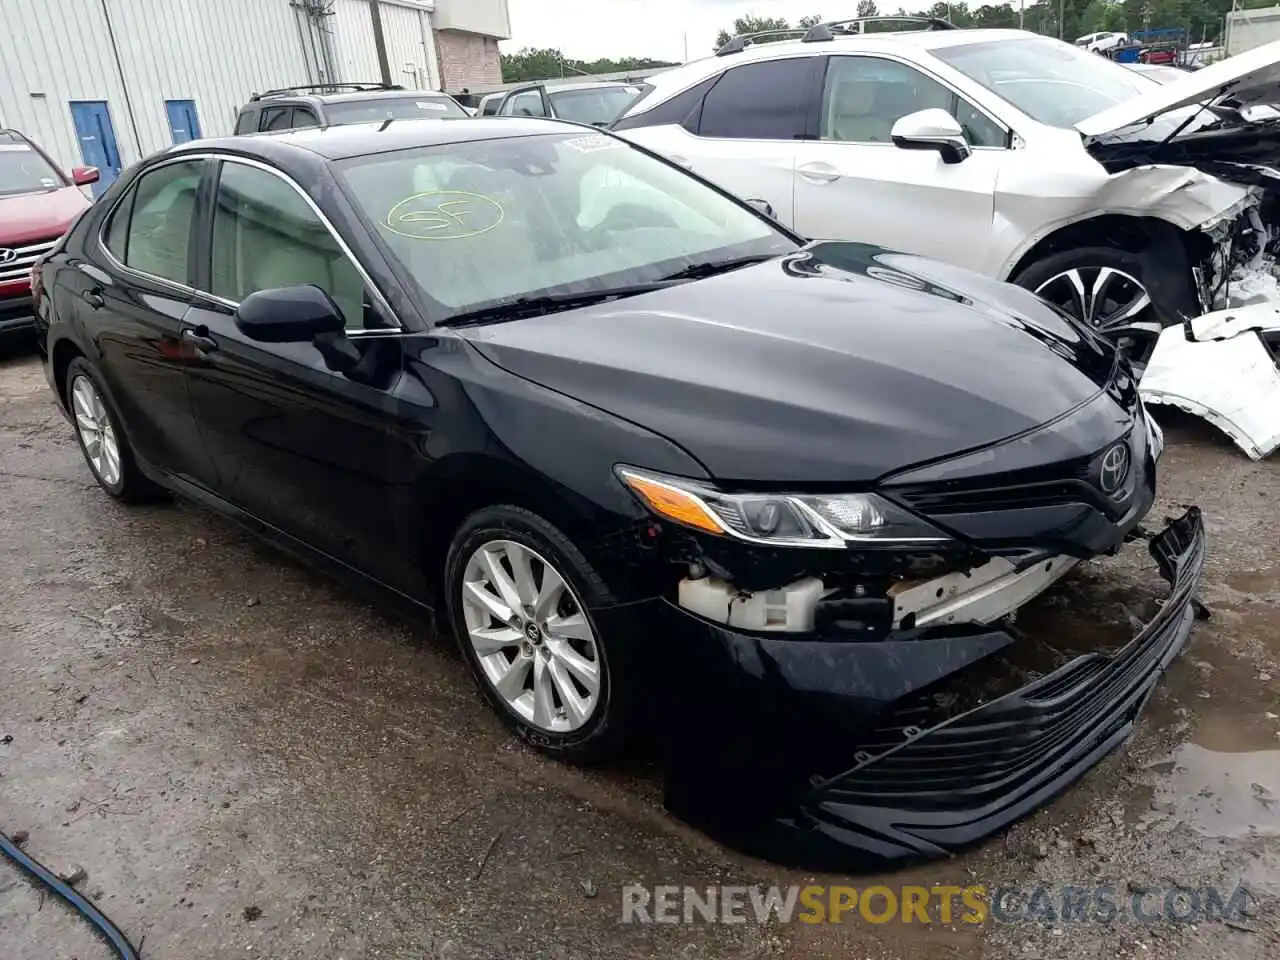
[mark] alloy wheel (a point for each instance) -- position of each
(531, 636)
(101, 447)
(1112, 302)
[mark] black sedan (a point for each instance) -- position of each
(661, 466)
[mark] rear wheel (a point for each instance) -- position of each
(106, 449)
(519, 597)
(1104, 288)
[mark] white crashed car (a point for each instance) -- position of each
(1135, 205)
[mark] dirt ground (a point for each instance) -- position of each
(248, 761)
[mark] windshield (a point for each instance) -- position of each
(388, 108)
(478, 224)
(23, 170)
(599, 105)
(1048, 80)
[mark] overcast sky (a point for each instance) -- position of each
(589, 29)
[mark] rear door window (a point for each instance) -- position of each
(150, 230)
(759, 101)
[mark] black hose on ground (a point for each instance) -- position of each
(81, 904)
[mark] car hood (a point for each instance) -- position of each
(839, 364)
(1251, 77)
(29, 217)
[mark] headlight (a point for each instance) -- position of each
(780, 519)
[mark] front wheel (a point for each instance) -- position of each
(519, 598)
(1105, 289)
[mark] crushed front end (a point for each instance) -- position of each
(1219, 294)
(827, 709)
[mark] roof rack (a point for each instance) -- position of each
(823, 32)
(743, 40)
(326, 88)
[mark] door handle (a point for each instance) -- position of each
(94, 299)
(818, 172)
(199, 338)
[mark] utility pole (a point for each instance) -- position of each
(1022, 14)
(380, 41)
(1062, 16)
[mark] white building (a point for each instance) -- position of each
(107, 82)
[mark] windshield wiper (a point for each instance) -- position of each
(709, 268)
(538, 306)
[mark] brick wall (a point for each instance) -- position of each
(467, 60)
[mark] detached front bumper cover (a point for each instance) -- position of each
(916, 793)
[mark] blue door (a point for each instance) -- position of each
(97, 139)
(183, 122)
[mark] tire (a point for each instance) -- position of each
(1130, 277)
(119, 475)
(567, 736)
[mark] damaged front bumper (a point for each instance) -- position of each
(819, 752)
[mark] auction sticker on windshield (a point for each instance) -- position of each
(593, 144)
(444, 215)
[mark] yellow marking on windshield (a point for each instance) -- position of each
(444, 215)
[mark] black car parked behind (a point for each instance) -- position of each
(655, 460)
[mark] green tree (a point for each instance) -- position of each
(867, 8)
(751, 24)
(544, 64)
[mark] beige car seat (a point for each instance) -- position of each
(853, 113)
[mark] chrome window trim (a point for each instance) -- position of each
(233, 304)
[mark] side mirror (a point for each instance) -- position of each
(83, 176)
(931, 129)
(763, 206)
(289, 315)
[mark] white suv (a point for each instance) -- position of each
(1016, 155)
(1126, 202)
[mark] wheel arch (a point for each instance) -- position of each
(64, 351)
(466, 482)
(1129, 232)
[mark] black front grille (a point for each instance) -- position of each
(1066, 482)
(1010, 745)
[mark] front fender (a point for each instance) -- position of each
(1233, 383)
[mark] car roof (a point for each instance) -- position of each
(670, 82)
(343, 141)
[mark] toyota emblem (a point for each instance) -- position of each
(1115, 468)
(7, 255)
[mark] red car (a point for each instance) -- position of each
(38, 203)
